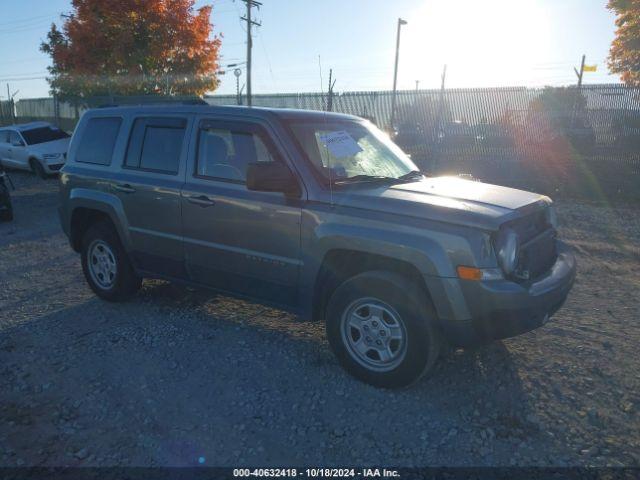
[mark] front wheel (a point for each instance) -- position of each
(382, 329)
(6, 209)
(37, 168)
(105, 264)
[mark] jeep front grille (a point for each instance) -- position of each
(537, 240)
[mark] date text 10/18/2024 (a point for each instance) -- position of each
(316, 472)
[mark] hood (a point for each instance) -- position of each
(448, 199)
(57, 146)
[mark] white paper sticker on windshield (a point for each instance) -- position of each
(340, 144)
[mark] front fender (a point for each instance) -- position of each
(426, 254)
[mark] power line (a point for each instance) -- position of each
(28, 19)
(21, 79)
(266, 55)
(28, 28)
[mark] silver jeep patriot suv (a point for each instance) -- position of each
(316, 213)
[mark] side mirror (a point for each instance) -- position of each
(271, 177)
(17, 143)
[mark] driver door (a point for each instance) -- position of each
(17, 155)
(238, 240)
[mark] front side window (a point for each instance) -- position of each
(98, 140)
(156, 144)
(4, 136)
(343, 150)
(14, 139)
(225, 152)
(43, 135)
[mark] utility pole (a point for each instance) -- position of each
(417, 85)
(395, 73)
(11, 104)
(581, 72)
(443, 78)
(250, 4)
(575, 99)
(330, 97)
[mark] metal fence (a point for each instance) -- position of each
(560, 141)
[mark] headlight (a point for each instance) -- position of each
(50, 156)
(507, 250)
(552, 217)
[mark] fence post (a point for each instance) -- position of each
(56, 110)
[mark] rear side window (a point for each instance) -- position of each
(155, 144)
(98, 140)
(4, 136)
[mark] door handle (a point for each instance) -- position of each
(124, 187)
(201, 200)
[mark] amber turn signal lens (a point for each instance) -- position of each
(469, 273)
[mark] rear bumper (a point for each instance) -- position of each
(502, 309)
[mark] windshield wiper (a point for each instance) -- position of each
(365, 178)
(412, 175)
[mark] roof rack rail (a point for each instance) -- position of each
(142, 101)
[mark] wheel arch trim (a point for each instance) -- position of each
(101, 202)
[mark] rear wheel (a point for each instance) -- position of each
(37, 168)
(382, 329)
(105, 264)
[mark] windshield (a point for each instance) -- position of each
(351, 150)
(43, 135)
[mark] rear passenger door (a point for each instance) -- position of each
(149, 185)
(239, 240)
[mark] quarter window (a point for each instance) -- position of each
(156, 144)
(224, 153)
(98, 140)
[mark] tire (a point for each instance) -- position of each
(106, 265)
(6, 215)
(37, 168)
(411, 337)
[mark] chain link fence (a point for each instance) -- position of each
(574, 141)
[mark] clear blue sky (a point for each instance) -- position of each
(483, 42)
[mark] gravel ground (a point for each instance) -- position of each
(184, 377)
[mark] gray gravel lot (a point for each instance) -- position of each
(184, 377)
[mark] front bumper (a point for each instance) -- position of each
(502, 309)
(52, 168)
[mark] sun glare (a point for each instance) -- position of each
(491, 42)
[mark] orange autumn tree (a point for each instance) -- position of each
(133, 47)
(624, 56)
